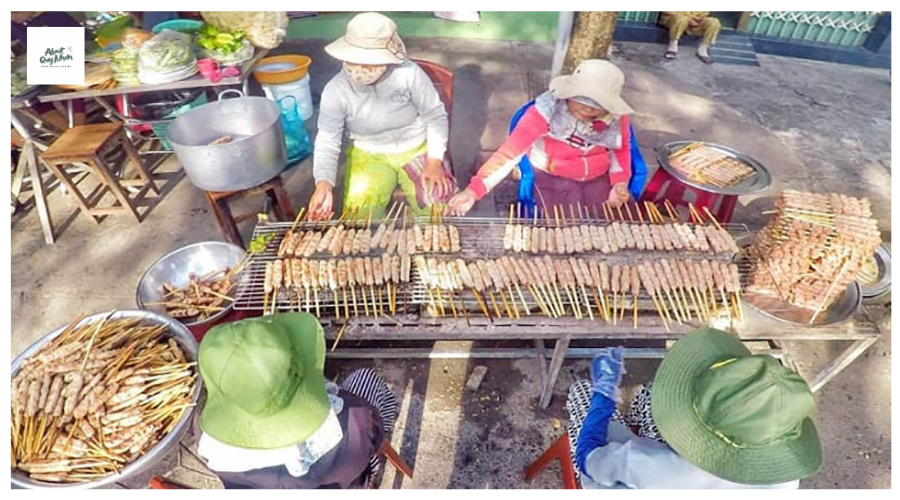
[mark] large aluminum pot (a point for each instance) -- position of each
(254, 154)
(188, 345)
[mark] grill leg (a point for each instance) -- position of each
(559, 355)
(849, 354)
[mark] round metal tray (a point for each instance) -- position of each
(176, 268)
(882, 285)
(756, 183)
(840, 310)
(187, 343)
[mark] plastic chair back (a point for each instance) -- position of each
(526, 183)
(442, 78)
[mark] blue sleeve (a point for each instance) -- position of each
(594, 429)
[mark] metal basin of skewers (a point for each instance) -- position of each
(188, 345)
(760, 179)
(840, 310)
(176, 269)
(875, 279)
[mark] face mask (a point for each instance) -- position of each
(365, 74)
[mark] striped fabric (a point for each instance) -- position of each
(368, 385)
(638, 419)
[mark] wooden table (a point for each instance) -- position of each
(860, 330)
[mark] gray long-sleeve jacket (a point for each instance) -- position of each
(397, 114)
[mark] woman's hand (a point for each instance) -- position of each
(618, 195)
(321, 203)
(434, 180)
(461, 203)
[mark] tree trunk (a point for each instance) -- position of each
(591, 38)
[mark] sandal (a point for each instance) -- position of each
(705, 59)
(670, 54)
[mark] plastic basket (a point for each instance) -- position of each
(188, 26)
(159, 128)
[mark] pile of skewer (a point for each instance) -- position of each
(812, 248)
(203, 296)
(707, 165)
(583, 233)
(679, 289)
(343, 239)
(96, 398)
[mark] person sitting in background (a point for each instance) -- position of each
(694, 23)
(717, 417)
(577, 137)
(271, 420)
(396, 121)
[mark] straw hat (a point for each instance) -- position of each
(264, 381)
(741, 417)
(599, 80)
(371, 38)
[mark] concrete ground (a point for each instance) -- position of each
(816, 126)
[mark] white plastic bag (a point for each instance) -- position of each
(167, 57)
(244, 54)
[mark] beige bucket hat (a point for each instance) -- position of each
(371, 38)
(596, 79)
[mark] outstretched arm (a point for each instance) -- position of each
(606, 375)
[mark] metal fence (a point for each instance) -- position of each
(840, 28)
(845, 28)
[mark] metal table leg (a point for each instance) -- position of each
(34, 170)
(559, 354)
(37, 186)
(837, 365)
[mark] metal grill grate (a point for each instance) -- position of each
(480, 238)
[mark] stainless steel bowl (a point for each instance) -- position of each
(882, 283)
(176, 269)
(187, 343)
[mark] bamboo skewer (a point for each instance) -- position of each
(587, 302)
(834, 283)
(710, 215)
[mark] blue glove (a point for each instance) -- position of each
(606, 372)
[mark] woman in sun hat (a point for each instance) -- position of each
(396, 121)
(577, 137)
(272, 420)
(725, 418)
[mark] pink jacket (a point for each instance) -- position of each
(547, 133)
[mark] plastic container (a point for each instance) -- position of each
(299, 90)
(189, 26)
(281, 69)
(281, 76)
(296, 138)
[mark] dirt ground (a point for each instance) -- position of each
(816, 126)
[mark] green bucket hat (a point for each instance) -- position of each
(741, 417)
(264, 381)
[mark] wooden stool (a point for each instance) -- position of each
(90, 144)
(220, 201)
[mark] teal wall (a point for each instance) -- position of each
(536, 27)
